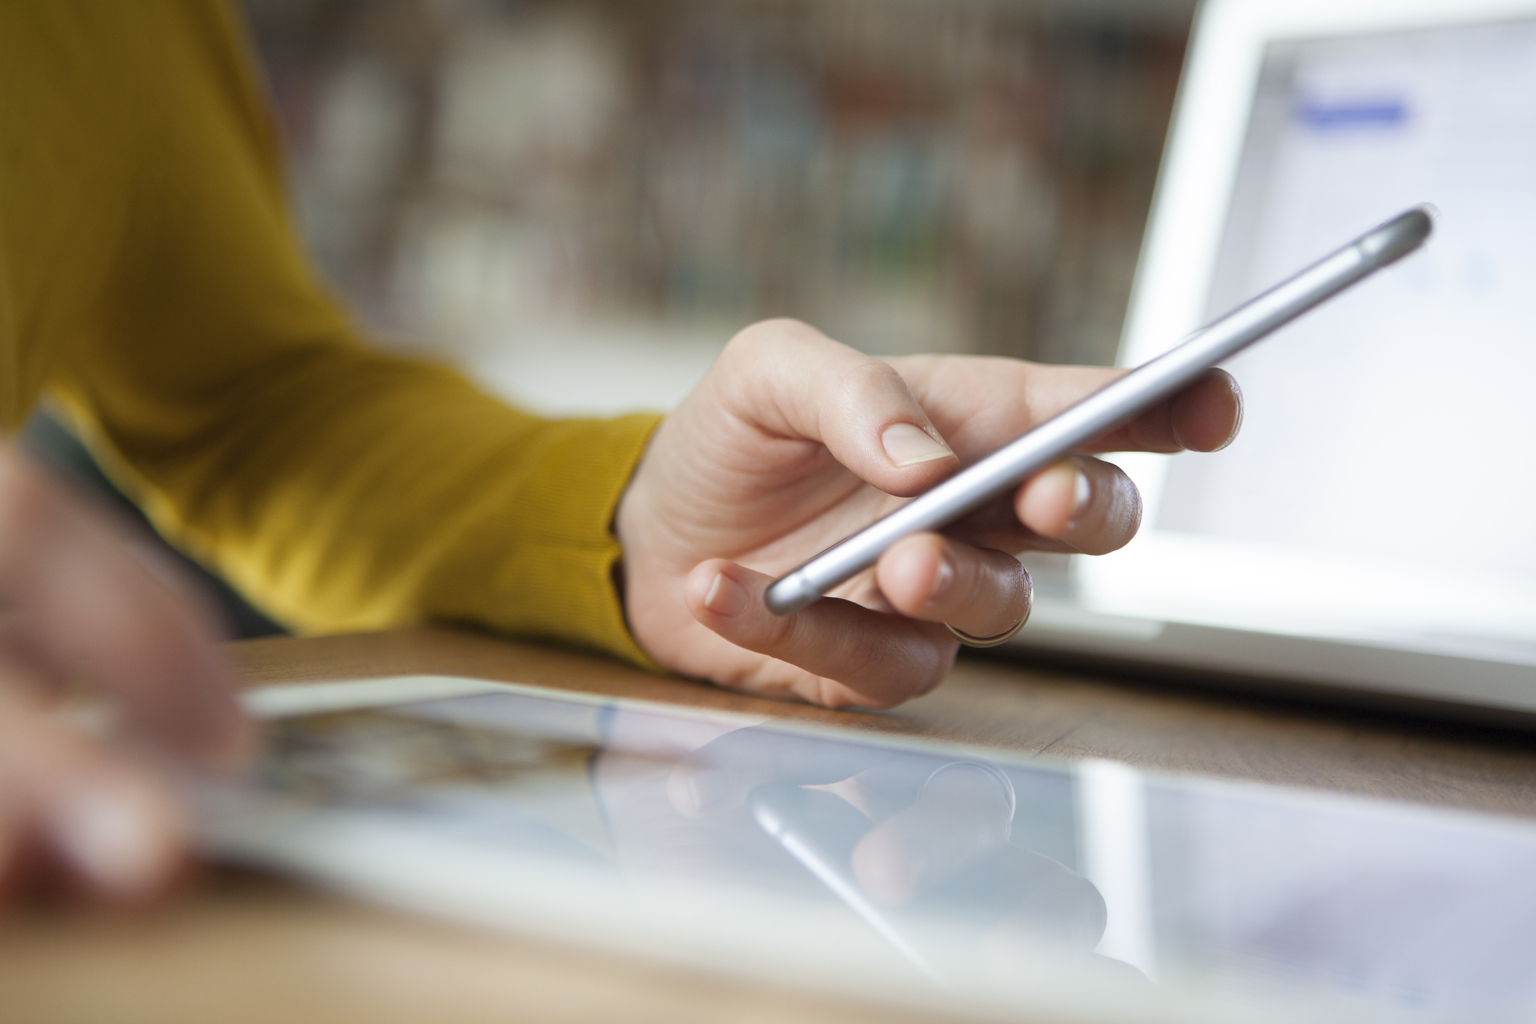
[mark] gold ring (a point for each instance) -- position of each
(996, 638)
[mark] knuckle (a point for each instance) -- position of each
(761, 346)
(870, 375)
(754, 337)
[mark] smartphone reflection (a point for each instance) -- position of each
(884, 867)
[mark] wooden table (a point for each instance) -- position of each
(241, 947)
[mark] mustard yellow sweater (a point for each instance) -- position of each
(151, 282)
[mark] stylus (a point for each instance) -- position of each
(1106, 408)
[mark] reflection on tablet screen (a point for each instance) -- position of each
(956, 876)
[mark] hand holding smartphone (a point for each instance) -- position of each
(1106, 408)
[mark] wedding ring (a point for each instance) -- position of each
(995, 638)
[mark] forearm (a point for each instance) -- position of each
(349, 490)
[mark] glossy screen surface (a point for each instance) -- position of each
(947, 876)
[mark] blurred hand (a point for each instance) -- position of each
(793, 442)
(80, 610)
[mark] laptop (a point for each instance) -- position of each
(1371, 535)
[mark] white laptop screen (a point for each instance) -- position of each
(1389, 450)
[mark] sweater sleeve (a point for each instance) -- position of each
(340, 488)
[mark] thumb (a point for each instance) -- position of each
(788, 378)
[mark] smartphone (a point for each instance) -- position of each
(1111, 405)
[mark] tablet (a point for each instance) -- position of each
(930, 875)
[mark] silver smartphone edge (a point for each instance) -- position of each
(1149, 383)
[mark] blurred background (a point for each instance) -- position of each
(579, 201)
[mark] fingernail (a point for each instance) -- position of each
(111, 836)
(1082, 491)
(907, 444)
(726, 596)
(1237, 422)
(942, 580)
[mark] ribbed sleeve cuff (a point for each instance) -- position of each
(558, 580)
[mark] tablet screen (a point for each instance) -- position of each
(945, 874)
